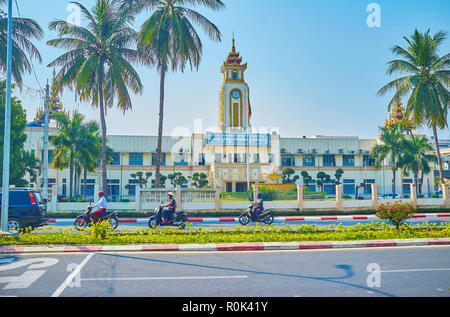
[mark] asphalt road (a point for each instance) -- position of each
(374, 272)
(142, 223)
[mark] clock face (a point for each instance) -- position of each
(236, 94)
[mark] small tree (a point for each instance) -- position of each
(199, 180)
(287, 172)
(338, 175)
(321, 178)
(396, 212)
(306, 177)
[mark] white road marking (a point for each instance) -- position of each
(414, 270)
(72, 275)
(163, 278)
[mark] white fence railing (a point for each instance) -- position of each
(210, 199)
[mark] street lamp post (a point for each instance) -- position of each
(7, 135)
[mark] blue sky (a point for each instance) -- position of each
(314, 66)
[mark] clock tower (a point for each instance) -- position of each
(234, 95)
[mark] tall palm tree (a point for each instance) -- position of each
(168, 39)
(23, 50)
(89, 150)
(392, 146)
(67, 143)
(97, 64)
(427, 82)
(416, 158)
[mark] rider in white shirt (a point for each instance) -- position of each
(101, 204)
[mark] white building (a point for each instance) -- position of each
(222, 156)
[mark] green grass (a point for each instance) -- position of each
(285, 233)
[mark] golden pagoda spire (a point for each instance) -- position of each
(398, 116)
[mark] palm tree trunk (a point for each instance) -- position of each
(71, 176)
(85, 182)
(438, 155)
(393, 182)
(103, 163)
(160, 129)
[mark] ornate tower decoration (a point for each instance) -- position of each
(398, 116)
(55, 105)
(234, 94)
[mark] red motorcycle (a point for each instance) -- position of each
(85, 220)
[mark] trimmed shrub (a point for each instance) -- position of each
(396, 212)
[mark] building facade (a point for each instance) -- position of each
(223, 156)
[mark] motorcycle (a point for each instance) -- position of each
(248, 215)
(180, 219)
(85, 220)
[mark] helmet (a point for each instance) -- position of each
(258, 195)
(101, 192)
(170, 194)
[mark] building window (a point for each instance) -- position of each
(329, 160)
(115, 159)
(136, 158)
(218, 157)
(309, 160)
(201, 159)
(288, 160)
(163, 159)
(235, 76)
(348, 187)
(348, 160)
(236, 158)
(368, 160)
(256, 158)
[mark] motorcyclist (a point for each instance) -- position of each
(102, 207)
(258, 206)
(171, 207)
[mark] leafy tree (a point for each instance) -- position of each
(142, 178)
(426, 83)
(287, 172)
(306, 177)
(18, 165)
(392, 146)
(415, 158)
(168, 39)
(321, 178)
(96, 64)
(199, 180)
(338, 175)
(23, 50)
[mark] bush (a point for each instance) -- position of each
(396, 212)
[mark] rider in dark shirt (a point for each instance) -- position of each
(258, 206)
(171, 207)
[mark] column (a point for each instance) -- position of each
(300, 197)
(178, 200)
(374, 190)
(339, 197)
(217, 205)
(413, 194)
(255, 192)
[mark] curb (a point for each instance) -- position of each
(287, 219)
(253, 246)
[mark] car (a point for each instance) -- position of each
(26, 209)
(389, 196)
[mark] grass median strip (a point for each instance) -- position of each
(285, 233)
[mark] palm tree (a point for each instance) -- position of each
(391, 146)
(168, 39)
(415, 158)
(427, 82)
(89, 151)
(67, 143)
(97, 62)
(23, 50)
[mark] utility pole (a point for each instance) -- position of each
(45, 145)
(7, 135)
